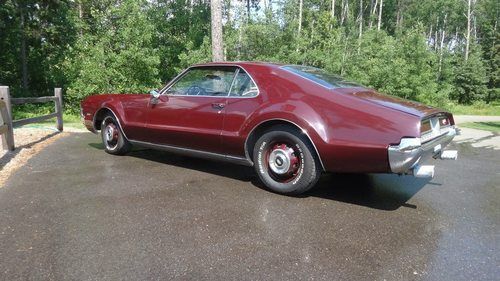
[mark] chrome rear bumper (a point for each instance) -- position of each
(410, 151)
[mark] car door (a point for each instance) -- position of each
(190, 112)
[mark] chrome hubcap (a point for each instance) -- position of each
(110, 132)
(283, 161)
(279, 161)
(111, 135)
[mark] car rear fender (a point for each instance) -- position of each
(298, 115)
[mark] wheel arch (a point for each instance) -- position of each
(99, 116)
(260, 128)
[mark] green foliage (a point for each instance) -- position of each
(123, 46)
(194, 54)
(116, 56)
(470, 79)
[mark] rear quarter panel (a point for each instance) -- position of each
(351, 135)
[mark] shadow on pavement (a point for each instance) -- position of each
(11, 154)
(378, 191)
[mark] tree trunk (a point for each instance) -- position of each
(399, 14)
(441, 45)
(342, 4)
(467, 36)
(333, 8)
(24, 57)
(345, 11)
(380, 14)
(429, 40)
(360, 18)
(373, 9)
(300, 17)
(248, 10)
(217, 40)
(80, 16)
(80, 10)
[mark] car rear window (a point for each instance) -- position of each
(320, 76)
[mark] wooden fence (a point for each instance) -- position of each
(7, 123)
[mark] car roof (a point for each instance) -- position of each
(240, 63)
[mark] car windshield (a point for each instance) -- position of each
(320, 76)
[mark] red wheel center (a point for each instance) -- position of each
(283, 161)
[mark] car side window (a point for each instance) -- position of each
(204, 81)
(243, 86)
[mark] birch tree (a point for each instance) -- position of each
(467, 36)
(380, 14)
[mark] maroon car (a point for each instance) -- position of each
(290, 122)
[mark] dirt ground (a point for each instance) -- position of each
(29, 140)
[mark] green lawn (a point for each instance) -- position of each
(69, 121)
(487, 126)
(476, 109)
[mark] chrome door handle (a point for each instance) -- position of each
(218, 105)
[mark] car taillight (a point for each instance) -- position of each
(434, 127)
(425, 126)
(444, 121)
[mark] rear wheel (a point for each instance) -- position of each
(285, 161)
(112, 137)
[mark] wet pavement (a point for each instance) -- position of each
(76, 213)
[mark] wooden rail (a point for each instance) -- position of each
(6, 122)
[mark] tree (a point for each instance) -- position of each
(467, 37)
(114, 55)
(217, 40)
(470, 78)
(301, 4)
(380, 14)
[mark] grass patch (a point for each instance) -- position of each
(486, 126)
(34, 110)
(492, 109)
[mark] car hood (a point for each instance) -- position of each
(403, 105)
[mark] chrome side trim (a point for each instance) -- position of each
(285, 120)
(116, 117)
(194, 153)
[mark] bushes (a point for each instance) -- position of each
(116, 56)
(97, 46)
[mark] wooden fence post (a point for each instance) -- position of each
(6, 114)
(59, 111)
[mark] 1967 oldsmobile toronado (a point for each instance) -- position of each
(290, 122)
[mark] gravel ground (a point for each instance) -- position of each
(29, 140)
(477, 138)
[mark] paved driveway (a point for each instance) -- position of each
(76, 213)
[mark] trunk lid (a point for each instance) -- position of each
(403, 105)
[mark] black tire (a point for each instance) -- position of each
(112, 137)
(285, 161)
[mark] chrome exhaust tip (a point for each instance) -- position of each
(449, 155)
(423, 171)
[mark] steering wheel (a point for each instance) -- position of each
(195, 91)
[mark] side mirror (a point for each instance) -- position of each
(155, 94)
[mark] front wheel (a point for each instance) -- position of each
(112, 137)
(285, 161)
